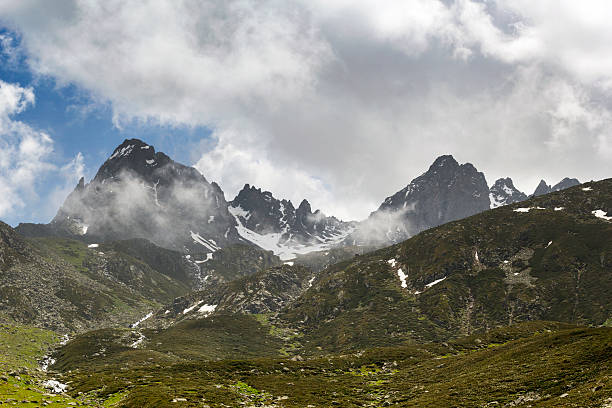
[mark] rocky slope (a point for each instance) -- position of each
(447, 191)
(232, 262)
(278, 226)
(267, 291)
(67, 286)
(140, 193)
(549, 258)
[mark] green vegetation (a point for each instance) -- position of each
(543, 363)
(236, 261)
(23, 346)
(21, 382)
(500, 309)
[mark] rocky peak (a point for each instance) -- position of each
(542, 189)
(447, 191)
(503, 192)
(141, 193)
(80, 185)
(447, 161)
(565, 183)
(266, 213)
(278, 224)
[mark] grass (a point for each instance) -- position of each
(534, 362)
(21, 382)
(22, 346)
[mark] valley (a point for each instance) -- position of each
(149, 289)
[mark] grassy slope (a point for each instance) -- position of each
(63, 285)
(498, 269)
(540, 363)
(21, 383)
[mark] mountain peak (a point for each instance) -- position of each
(503, 192)
(565, 183)
(128, 146)
(443, 161)
(305, 207)
(542, 189)
(135, 156)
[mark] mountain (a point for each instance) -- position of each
(565, 183)
(266, 291)
(503, 192)
(67, 286)
(276, 225)
(546, 258)
(544, 188)
(140, 193)
(520, 293)
(233, 262)
(447, 191)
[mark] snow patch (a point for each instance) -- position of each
(46, 362)
(392, 262)
(150, 161)
(288, 263)
(602, 214)
(55, 386)
(559, 208)
(189, 309)
(587, 189)
(526, 209)
(142, 320)
(211, 219)
(209, 256)
(274, 241)
(207, 309)
(125, 151)
(210, 244)
(402, 277)
(549, 242)
(496, 201)
(93, 245)
(522, 209)
(140, 339)
(310, 282)
(83, 227)
(429, 285)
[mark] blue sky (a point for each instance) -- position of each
(79, 124)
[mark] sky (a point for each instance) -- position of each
(340, 102)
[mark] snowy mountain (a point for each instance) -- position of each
(140, 193)
(276, 225)
(503, 192)
(447, 191)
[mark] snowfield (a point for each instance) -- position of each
(274, 241)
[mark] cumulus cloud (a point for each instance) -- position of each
(345, 102)
(25, 153)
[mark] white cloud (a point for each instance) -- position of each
(25, 153)
(344, 102)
